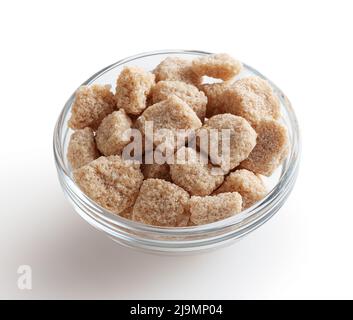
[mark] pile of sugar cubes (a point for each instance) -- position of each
(174, 97)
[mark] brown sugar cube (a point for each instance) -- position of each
(245, 182)
(91, 105)
(82, 148)
(173, 68)
(242, 139)
(219, 65)
(132, 89)
(271, 148)
(187, 92)
(161, 203)
(253, 99)
(111, 182)
(156, 171)
(193, 175)
(113, 133)
(216, 97)
(214, 208)
(172, 114)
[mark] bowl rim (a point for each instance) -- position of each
(107, 218)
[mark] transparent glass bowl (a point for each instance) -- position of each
(176, 240)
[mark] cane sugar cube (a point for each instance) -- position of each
(91, 106)
(82, 148)
(133, 87)
(161, 203)
(113, 133)
(110, 181)
(219, 65)
(214, 208)
(247, 184)
(271, 148)
(189, 93)
(195, 176)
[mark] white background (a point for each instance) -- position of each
(48, 48)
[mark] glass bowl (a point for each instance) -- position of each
(187, 239)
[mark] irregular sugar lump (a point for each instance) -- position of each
(82, 148)
(190, 173)
(216, 98)
(195, 99)
(271, 148)
(219, 65)
(241, 141)
(133, 87)
(214, 208)
(247, 184)
(161, 203)
(91, 106)
(110, 181)
(172, 114)
(253, 99)
(174, 68)
(113, 133)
